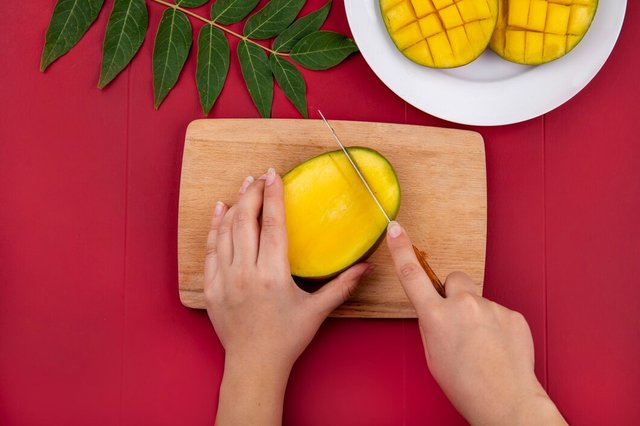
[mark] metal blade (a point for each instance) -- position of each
(353, 164)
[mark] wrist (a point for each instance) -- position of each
(536, 408)
(523, 405)
(269, 374)
(258, 362)
(252, 390)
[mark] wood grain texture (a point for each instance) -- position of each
(442, 178)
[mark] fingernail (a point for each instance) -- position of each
(271, 176)
(368, 271)
(245, 184)
(218, 210)
(394, 229)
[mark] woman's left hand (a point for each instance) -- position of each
(262, 318)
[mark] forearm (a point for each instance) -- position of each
(252, 392)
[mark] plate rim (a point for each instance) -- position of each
(356, 8)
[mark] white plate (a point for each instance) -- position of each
(490, 90)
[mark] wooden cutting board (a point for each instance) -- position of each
(442, 179)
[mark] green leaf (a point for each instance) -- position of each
(213, 65)
(191, 3)
(170, 52)
(322, 50)
(125, 33)
(301, 28)
(291, 81)
(273, 18)
(257, 75)
(70, 20)
(232, 11)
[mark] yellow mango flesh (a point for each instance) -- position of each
(534, 32)
(440, 33)
(332, 221)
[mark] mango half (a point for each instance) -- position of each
(332, 221)
(534, 32)
(440, 33)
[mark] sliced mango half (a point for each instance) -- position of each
(332, 220)
(534, 32)
(440, 33)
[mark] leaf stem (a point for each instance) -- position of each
(215, 24)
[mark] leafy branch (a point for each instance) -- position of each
(292, 40)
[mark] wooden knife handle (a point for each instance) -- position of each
(422, 258)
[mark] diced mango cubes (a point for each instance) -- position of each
(580, 19)
(557, 19)
(450, 17)
(451, 33)
(430, 25)
(537, 15)
(535, 44)
(538, 31)
(409, 35)
(440, 33)
(441, 4)
(399, 15)
(422, 8)
(517, 13)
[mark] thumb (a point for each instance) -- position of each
(340, 289)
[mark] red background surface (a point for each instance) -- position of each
(91, 328)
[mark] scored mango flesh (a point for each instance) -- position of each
(538, 31)
(332, 220)
(440, 33)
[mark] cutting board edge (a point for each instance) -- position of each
(208, 121)
(194, 299)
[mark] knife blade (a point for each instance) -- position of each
(355, 167)
(421, 255)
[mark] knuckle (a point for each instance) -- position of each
(270, 222)
(457, 277)
(467, 300)
(243, 217)
(410, 271)
(224, 229)
(211, 238)
(454, 276)
(212, 250)
(347, 292)
(271, 283)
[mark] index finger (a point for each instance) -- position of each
(413, 278)
(273, 233)
(211, 259)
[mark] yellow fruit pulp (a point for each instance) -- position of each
(332, 221)
(440, 33)
(538, 31)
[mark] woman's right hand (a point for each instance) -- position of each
(480, 353)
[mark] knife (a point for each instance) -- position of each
(421, 255)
